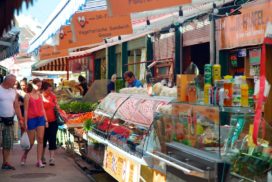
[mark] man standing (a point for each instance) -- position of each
(9, 106)
(131, 80)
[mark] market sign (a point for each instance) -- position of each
(51, 52)
(66, 38)
(93, 26)
(125, 7)
(245, 29)
(121, 167)
(255, 56)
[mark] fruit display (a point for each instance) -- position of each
(80, 119)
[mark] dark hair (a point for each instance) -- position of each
(129, 74)
(45, 85)
(29, 88)
(29, 85)
(36, 80)
(23, 81)
(18, 85)
(81, 78)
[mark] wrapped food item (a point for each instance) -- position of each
(157, 88)
(169, 92)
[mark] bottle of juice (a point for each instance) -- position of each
(218, 92)
(192, 92)
(208, 74)
(236, 92)
(207, 93)
(216, 73)
(228, 90)
(244, 92)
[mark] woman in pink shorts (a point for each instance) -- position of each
(35, 119)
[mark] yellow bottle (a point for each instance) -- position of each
(244, 92)
(207, 93)
(216, 72)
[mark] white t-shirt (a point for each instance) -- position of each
(7, 98)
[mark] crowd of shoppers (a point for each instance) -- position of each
(33, 103)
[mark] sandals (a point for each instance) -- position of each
(23, 160)
(51, 162)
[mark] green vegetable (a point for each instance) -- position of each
(78, 107)
(88, 124)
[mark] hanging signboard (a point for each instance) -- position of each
(245, 29)
(121, 167)
(125, 7)
(66, 38)
(51, 52)
(92, 27)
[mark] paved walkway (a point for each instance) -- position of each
(65, 169)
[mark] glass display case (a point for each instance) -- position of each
(184, 142)
(207, 143)
(123, 120)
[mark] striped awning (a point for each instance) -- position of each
(61, 64)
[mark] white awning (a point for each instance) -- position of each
(59, 17)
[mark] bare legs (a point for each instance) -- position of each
(31, 134)
(40, 135)
(5, 155)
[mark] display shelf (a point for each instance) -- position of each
(237, 110)
(109, 144)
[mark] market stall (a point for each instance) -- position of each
(142, 138)
(120, 125)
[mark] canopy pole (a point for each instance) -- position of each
(67, 68)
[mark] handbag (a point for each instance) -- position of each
(8, 121)
(59, 119)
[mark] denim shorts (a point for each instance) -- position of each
(33, 123)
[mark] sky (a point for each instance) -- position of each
(40, 9)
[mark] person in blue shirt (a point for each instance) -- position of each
(131, 80)
(111, 85)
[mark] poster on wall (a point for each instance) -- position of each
(125, 7)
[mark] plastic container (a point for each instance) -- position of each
(208, 74)
(236, 95)
(216, 74)
(192, 92)
(244, 92)
(218, 96)
(207, 93)
(228, 90)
